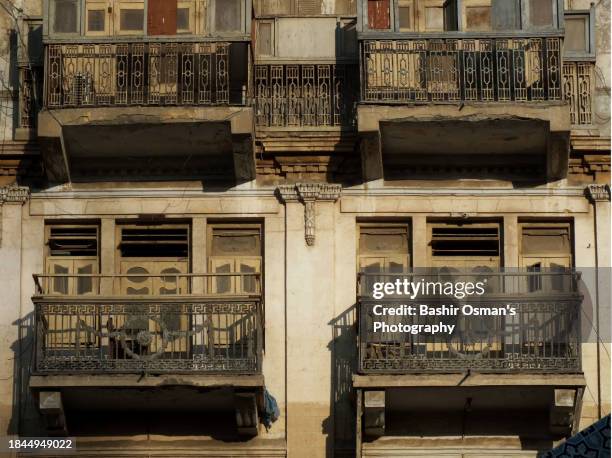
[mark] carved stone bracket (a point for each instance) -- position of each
(598, 192)
(309, 194)
(12, 194)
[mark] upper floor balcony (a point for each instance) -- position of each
(543, 336)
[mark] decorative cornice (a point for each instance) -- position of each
(308, 194)
(598, 192)
(13, 194)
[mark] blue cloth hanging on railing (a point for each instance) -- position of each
(270, 410)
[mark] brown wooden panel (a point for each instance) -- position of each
(161, 17)
(379, 14)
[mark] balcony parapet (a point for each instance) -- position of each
(462, 68)
(543, 336)
(176, 331)
(153, 73)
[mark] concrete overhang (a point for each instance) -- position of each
(201, 140)
(395, 137)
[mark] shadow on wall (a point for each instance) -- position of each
(25, 420)
(343, 359)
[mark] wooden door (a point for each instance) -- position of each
(379, 14)
(161, 17)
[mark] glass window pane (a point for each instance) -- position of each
(228, 16)
(405, 19)
(541, 13)
(65, 16)
(131, 19)
(182, 19)
(95, 20)
(575, 34)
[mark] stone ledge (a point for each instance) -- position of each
(473, 380)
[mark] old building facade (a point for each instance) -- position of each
(197, 196)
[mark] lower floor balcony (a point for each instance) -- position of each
(539, 333)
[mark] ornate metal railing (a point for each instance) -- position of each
(142, 73)
(305, 95)
(578, 88)
(171, 332)
(542, 336)
(425, 70)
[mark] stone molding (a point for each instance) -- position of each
(598, 192)
(309, 194)
(14, 194)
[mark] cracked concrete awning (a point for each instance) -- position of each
(162, 142)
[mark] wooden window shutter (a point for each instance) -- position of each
(161, 17)
(379, 16)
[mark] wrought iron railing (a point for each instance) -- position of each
(542, 336)
(578, 88)
(142, 73)
(305, 95)
(425, 70)
(164, 333)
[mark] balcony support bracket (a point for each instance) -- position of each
(52, 408)
(245, 405)
(374, 412)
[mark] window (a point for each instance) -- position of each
(379, 14)
(129, 17)
(183, 20)
(539, 14)
(579, 34)
(464, 245)
(235, 249)
(96, 22)
(434, 19)
(383, 248)
(406, 15)
(265, 38)
(65, 16)
(72, 250)
(228, 16)
(161, 251)
(546, 250)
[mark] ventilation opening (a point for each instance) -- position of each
(73, 241)
(155, 242)
(459, 241)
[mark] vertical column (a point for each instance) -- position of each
(310, 294)
(12, 199)
(599, 195)
(107, 256)
(198, 254)
(419, 241)
(510, 240)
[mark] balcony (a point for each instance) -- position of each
(181, 332)
(543, 336)
(455, 70)
(305, 95)
(155, 109)
(484, 89)
(142, 73)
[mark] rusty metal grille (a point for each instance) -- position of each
(305, 95)
(155, 336)
(544, 335)
(29, 95)
(578, 89)
(460, 70)
(117, 74)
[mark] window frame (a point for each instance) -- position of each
(210, 22)
(591, 54)
(131, 5)
(97, 5)
(557, 15)
(49, 19)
